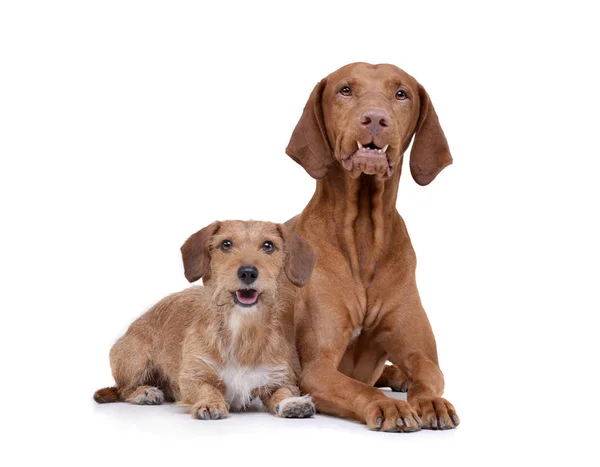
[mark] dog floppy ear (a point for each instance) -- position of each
(300, 258)
(308, 145)
(194, 252)
(430, 153)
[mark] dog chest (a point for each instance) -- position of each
(240, 381)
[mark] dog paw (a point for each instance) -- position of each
(394, 378)
(213, 411)
(391, 415)
(148, 396)
(436, 413)
(401, 387)
(295, 407)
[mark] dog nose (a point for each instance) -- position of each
(375, 120)
(247, 274)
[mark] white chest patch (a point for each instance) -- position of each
(240, 381)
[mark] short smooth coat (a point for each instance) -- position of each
(361, 306)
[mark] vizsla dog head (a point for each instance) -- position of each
(363, 117)
(243, 260)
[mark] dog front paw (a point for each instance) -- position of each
(211, 411)
(437, 413)
(391, 415)
(296, 407)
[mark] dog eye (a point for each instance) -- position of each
(268, 247)
(226, 245)
(401, 95)
(346, 91)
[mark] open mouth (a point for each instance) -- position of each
(371, 148)
(369, 159)
(246, 297)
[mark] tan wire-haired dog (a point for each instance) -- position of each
(217, 347)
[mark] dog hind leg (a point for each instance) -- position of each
(394, 378)
(133, 372)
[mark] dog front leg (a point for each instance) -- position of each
(202, 390)
(338, 394)
(209, 403)
(415, 354)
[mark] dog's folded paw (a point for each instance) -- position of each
(147, 396)
(296, 407)
(400, 387)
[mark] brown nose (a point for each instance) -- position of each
(375, 120)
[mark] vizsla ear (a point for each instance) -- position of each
(430, 153)
(194, 252)
(308, 145)
(300, 258)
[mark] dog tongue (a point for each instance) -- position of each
(247, 297)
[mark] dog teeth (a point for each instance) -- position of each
(372, 150)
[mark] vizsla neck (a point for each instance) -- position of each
(362, 213)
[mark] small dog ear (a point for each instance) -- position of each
(308, 145)
(430, 153)
(300, 259)
(194, 252)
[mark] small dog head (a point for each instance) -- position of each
(244, 260)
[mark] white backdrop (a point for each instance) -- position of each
(126, 126)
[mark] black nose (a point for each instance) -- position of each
(375, 120)
(247, 274)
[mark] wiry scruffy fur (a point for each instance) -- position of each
(201, 348)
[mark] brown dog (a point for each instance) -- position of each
(361, 306)
(217, 347)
